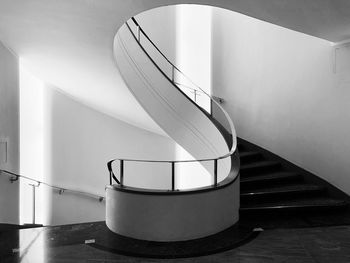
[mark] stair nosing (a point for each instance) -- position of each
(315, 188)
(257, 178)
(281, 206)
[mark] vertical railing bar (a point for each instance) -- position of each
(215, 172)
(121, 172)
(195, 95)
(173, 73)
(33, 218)
(172, 176)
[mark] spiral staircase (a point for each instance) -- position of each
(173, 213)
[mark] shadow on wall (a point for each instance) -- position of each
(9, 134)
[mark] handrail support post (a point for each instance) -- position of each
(173, 176)
(121, 172)
(33, 197)
(215, 172)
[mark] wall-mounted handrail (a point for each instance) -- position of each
(14, 177)
(140, 32)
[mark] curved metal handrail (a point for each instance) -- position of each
(176, 84)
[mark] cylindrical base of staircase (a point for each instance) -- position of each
(166, 216)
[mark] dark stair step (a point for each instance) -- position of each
(302, 205)
(240, 147)
(280, 192)
(269, 180)
(248, 157)
(259, 167)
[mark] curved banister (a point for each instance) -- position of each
(195, 89)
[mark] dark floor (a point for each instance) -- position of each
(55, 244)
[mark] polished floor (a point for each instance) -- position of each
(55, 244)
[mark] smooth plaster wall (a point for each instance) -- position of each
(78, 143)
(9, 130)
(160, 25)
(285, 92)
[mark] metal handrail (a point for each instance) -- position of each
(176, 84)
(15, 177)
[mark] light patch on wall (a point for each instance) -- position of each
(31, 145)
(193, 57)
(193, 52)
(190, 174)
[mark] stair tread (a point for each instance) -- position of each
(297, 203)
(259, 164)
(290, 188)
(278, 175)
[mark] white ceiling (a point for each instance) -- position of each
(68, 43)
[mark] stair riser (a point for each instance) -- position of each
(260, 198)
(259, 170)
(270, 182)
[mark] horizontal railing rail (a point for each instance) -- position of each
(196, 90)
